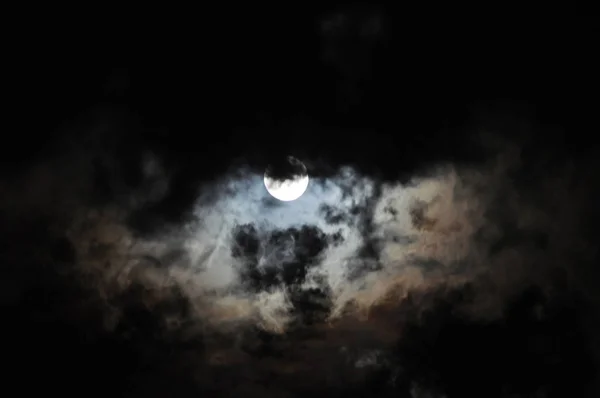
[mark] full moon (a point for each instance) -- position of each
(289, 182)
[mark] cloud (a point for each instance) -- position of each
(369, 238)
(356, 262)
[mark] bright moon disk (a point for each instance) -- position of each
(290, 188)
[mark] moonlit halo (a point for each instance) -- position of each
(286, 190)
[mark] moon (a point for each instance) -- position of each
(289, 182)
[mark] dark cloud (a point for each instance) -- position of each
(285, 168)
(333, 215)
(282, 260)
(447, 353)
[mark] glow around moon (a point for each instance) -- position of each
(289, 189)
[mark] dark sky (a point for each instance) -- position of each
(390, 92)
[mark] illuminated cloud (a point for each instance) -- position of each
(244, 257)
(334, 280)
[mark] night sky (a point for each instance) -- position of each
(446, 245)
